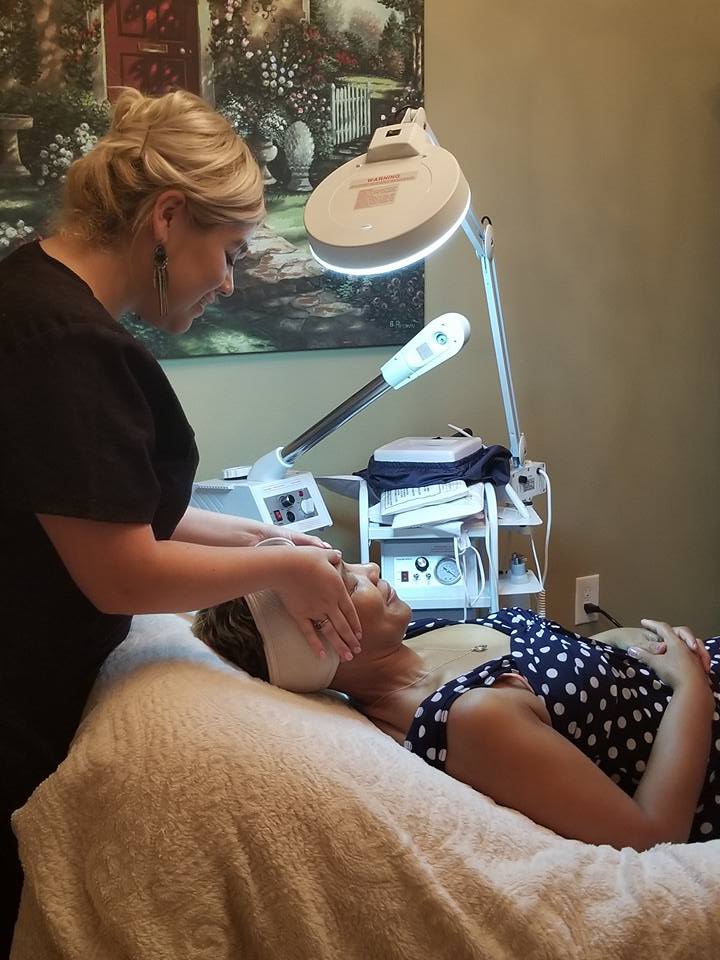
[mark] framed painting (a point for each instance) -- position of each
(305, 82)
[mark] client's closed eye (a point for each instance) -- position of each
(350, 580)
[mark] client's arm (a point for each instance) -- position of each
(500, 743)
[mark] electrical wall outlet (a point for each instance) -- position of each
(587, 590)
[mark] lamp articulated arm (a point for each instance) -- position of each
(481, 236)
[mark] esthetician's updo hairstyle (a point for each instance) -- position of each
(230, 630)
(176, 141)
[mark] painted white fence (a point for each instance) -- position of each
(350, 111)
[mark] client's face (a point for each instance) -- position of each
(383, 615)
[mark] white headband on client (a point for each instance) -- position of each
(292, 665)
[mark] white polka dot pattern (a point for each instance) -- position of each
(593, 696)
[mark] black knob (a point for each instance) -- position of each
(290, 516)
(422, 563)
(287, 500)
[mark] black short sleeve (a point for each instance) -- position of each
(90, 424)
(78, 431)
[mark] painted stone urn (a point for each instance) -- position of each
(299, 151)
(11, 166)
(265, 152)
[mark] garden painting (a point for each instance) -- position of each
(305, 82)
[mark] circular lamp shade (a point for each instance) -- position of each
(370, 218)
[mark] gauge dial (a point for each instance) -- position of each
(447, 571)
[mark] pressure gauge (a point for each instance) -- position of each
(447, 571)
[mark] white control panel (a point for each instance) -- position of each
(423, 573)
(293, 501)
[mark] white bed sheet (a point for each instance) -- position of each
(204, 814)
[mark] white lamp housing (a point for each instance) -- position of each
(397, 204)
(389, 208)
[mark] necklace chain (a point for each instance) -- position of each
(478, 648)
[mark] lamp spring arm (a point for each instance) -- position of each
(481, 236)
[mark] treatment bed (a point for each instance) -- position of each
(203, 814)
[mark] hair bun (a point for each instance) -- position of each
(108, 194)
(125, 106)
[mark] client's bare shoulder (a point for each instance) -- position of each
(447, 653)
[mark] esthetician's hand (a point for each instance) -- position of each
(310, 585)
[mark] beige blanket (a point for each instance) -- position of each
(202, 814)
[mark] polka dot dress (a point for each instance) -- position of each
(605, 702)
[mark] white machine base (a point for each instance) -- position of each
(425, 575)
(294, 501)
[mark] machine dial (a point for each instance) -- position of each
(447, 571)
(422, 563)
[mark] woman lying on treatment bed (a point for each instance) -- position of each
(613, 739)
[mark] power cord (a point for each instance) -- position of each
(594, 608)
(541, 597)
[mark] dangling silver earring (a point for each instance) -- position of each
(160, 277)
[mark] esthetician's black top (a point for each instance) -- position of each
(90, 428)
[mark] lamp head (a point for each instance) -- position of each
(389, 208)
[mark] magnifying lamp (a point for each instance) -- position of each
(378, 213)
(394, 206)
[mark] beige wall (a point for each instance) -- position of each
(589, 131)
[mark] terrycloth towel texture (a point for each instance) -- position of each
(205, 815)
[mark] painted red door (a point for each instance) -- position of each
(151, 45)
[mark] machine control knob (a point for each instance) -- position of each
(287, 500)
(307, 507)
(290, 517)
(422, 563)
